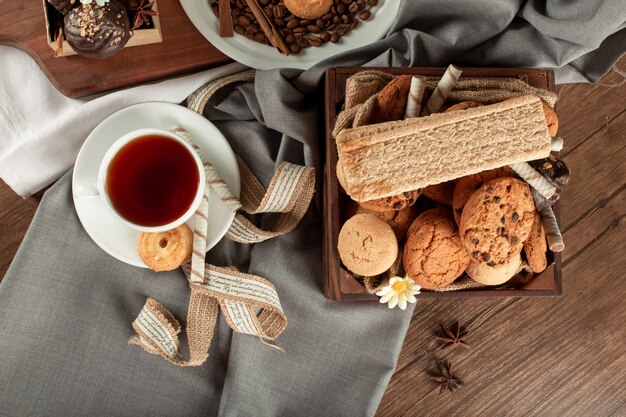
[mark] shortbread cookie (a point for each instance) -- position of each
(166, 251)
(399, 220)
(497, 219)
(466, 186)
(433, 253)
(535, 247)
(494, 275)
(308, 9)
(441, 193)
(390, 103)
(367, 245)
(389, 158)
(395, 202)
(464, 105)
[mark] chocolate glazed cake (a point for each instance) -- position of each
(97, 32)
(63, 6)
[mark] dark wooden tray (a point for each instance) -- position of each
(339, 284)
(183, 50)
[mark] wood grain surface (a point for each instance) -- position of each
(183, 50)
(529, 356)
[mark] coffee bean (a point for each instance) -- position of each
(342, 30)
(294, 48)
(243, 21)
(327, 17)
(365, 15)
(249, 35)
(345, 18)
(303, 43)
(268, 12)
(264, 2)
(305, 22)
(325, 36)
(236, 12)
(292, 24)
(360, 2)
(290, 40)
(515, 217)
(372, 3)
(319, 23)
(315, 41)
(250, 16)
(253, 28)
(239, 29)
(336, 19)
(332, 26)
(353, 7)
(313, 29)
(259, 37)
(279, 22)
(346, 2)
(280, 10)
(341, 9)
(299, 29)
(289, 18)
(334, 38)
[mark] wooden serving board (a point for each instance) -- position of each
(183, 50)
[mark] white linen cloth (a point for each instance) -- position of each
(41, 130)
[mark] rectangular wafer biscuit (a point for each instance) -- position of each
(394, 157)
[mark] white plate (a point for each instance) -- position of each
(264, 57)
(117, 239)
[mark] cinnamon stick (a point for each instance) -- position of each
(226, 20)
(268, 29)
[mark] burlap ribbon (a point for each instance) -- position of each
(249, 303)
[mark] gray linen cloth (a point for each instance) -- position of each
(66, 306)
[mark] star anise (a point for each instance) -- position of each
(444, 378)
(142, 11)
(453, 337)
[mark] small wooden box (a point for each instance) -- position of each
(140, 36)
(339, 284)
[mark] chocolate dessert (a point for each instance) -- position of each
(63, 6)
(97, 32)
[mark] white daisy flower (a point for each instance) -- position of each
(398, 292)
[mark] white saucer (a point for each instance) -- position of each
(117, 239)
(256, 55)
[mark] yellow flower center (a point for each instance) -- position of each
(399, 286)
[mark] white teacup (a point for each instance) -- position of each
(98, 189)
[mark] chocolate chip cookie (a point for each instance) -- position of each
(390, 103)
(535, 247)
(466, 186)
(441, 193)
(497, 220)
(464, 105)
(433, 253)
(395, 202)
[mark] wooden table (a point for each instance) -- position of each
(545, 357)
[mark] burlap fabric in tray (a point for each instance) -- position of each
(361, 91)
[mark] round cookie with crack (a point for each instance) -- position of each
(441, 193)
(494, 275)
(308, 9)
(433, 253)
(497, 219)
(464, 105)
(394, 202)
(466, 186)
(367, 245)
(535, 247)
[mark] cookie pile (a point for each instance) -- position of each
(486, 225)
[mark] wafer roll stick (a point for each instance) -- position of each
(450, 77)
(551, 227)
(535, 179)
(554, 170)
(541, 202)
(414, 99)
(557, 144)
